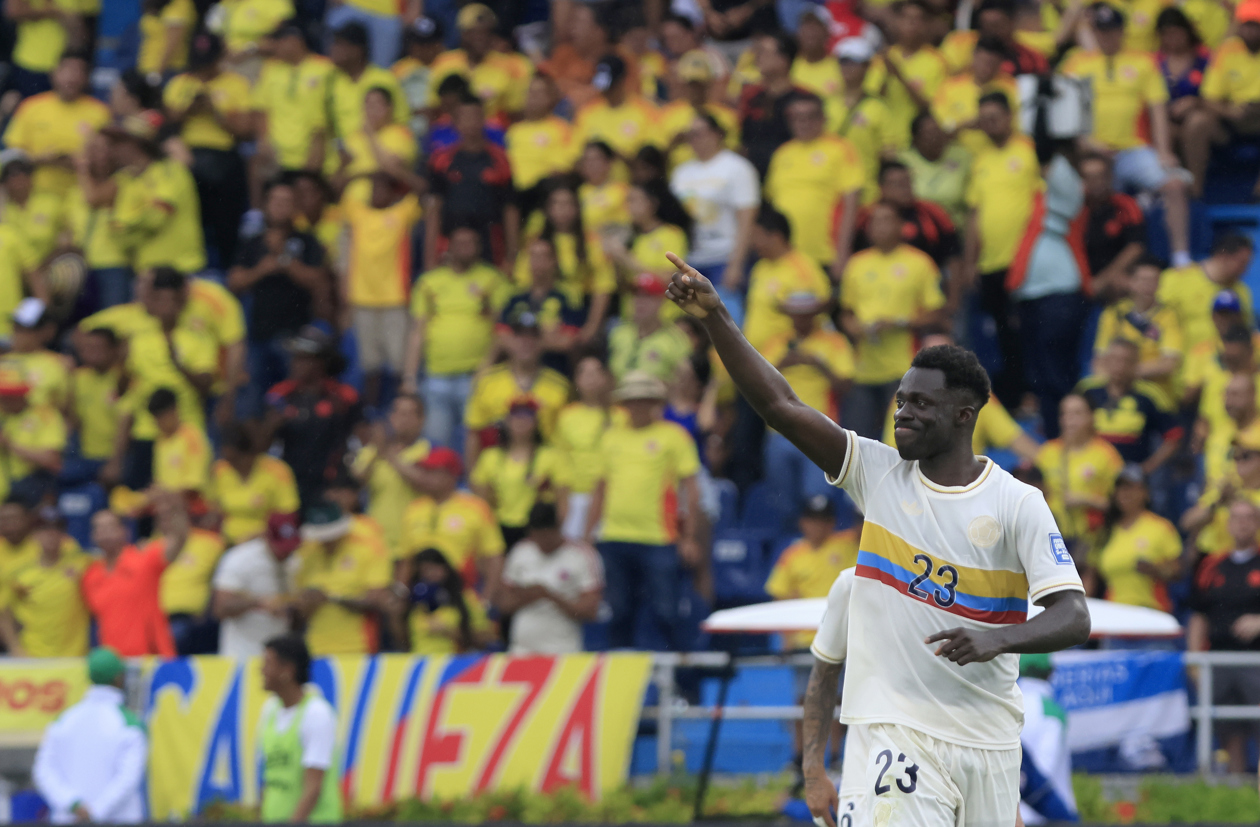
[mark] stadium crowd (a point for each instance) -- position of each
(353, 320)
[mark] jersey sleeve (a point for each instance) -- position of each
(865, 463)
(831, 642)
(1042, 551)
(318, 734)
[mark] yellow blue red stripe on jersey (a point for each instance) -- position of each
(986, 595)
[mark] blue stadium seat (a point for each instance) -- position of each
(739, 567)
(758, 511)
(728, 501)
(77, 504)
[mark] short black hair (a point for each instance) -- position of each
(1148, 260)
(543, 516)
(679, 19)
(711, 122)
(991, 45)
(773, 221)
(381, 90)
(1237, 334)
(236, 436)
(701, 367)
(785, 44)
(886, 167)
(962, 370)
(110, 337)
(168, 278)
(453, 85)
(997, 99)
(1174, 18)
(602, 148)
(1006, 7)
(162, 400)
(1230, 243)
(804, 96)
(292, 649)
(920, 119)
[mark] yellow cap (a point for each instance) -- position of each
(695, 66)
(474, 14)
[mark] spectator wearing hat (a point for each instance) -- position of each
(645, 513)
(458, 524)
(1130, 413)
(422, 43)
(1127, 84)
(42, 614)
(888, 292)
(1143, 319)
(121, 587)
(551, 586)
(211, 108)
(91, 764)
(44, 32)
(646, 344)
(619, 116)
(809, 566)
(165, 29)
(818, 363)
(1193, 289)
(1225, 606)
(247, 485)
(1231, 94)
(522, 375)
(39, 217)
(518, 472)
(297, 740)
(810, 178)
(32, 436)
(453, 312)
(311, 413)
(1207, 522)
(476, 59)
(696, 79)
(342, 580)
(288, 103)
(956, 103)
(720, 190)
(47, 372)
(184, 590)
(353, 76)
(53, 128)
(252, 585)
(287, 277)
(539, 145)
(156, 216)
(1112, 227)
(763, 107)
(1141, 552)
(471, 185)
(780, 271)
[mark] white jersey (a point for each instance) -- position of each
(933, 558)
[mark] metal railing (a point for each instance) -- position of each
(667, 709)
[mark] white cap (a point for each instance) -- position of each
(857, 49)
(29, 312)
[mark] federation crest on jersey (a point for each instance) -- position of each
(984, 531)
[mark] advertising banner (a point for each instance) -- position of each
(34, 692)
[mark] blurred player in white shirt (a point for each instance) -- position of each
(952, 551)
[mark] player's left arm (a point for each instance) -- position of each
(1063, 624)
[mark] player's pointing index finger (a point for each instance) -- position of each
(683, 267)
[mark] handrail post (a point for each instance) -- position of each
(664, 715)
(1203, 738)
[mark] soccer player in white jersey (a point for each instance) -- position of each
(953, 549)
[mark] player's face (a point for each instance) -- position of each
(929, 419)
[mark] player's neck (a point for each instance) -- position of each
(953, 468)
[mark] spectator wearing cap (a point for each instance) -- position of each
(453, 312)
(645, 513)
(518, 471)
(1207, 522)
(808, 567)
(1143, 319)
(91, 764)
(763, 107)
(32, 436)
(695, 77)
(862, 119)
(247, 485)
(39, 217)
(44, 32)
(1111, 226)
(1141, 554)
(780, 271)
(252, 585)
(471, 185)
(1130, 413)
(41, 607)
(342, 580)
(487, 71)
(956, 104)
(163, 355)
(353, 76)
(1127, 85)
(458, 524)
(53, 129)
(422, 43)
(156, 215)
(887, 293)
(121, 587)
(288, 104)
(818, 363)
(1193, 289)
(720, 190)
(1231, 94)
(181, 451)
(810, 179)
(551, 586)
(539, 145)
(211, 107)
(286, 275)
(184, 590)
(645, 343)
(387, 465)
(580, 426)
(619, 116)
(522, 375)
(311, 413)
(47, 372)
(165, 29)
(1225, 606)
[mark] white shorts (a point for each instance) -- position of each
(854, 808)
(915, 779)
(382, 336)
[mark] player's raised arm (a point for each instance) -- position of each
(820, 439)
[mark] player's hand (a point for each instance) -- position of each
(691, 291)
(821, 798)
(964, 646)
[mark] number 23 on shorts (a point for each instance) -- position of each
(898, 770)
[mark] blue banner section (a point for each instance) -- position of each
(1105, 678)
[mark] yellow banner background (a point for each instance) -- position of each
(34, 692)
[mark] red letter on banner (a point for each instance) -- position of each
(533, 673)
(444, 748)
(579, 727)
